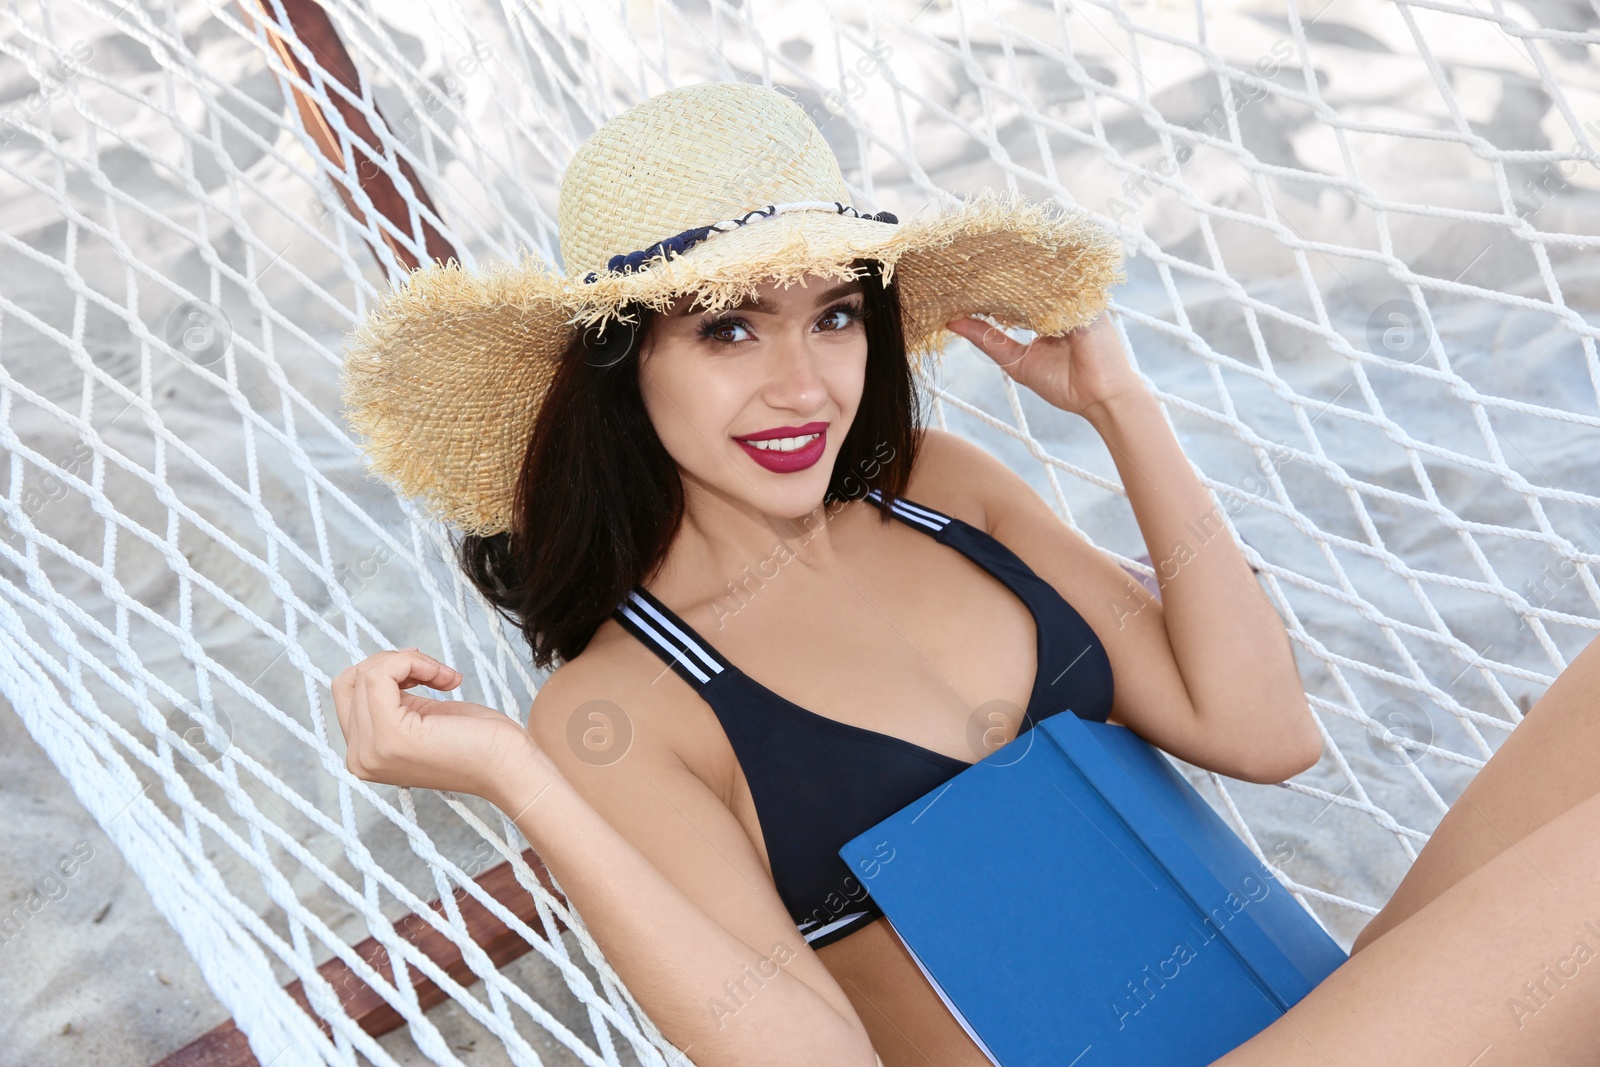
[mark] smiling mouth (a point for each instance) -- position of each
(782, 444)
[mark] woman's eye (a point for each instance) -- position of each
(842, 316)
(717, 331)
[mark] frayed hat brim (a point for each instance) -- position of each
(445, 378)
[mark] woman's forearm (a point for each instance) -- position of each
(672, 955)
(1228, 641)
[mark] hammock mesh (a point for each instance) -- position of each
(1362, 255)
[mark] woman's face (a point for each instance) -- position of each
(788, 367)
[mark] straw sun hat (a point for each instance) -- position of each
(713, 188)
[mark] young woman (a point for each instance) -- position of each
(759, 659)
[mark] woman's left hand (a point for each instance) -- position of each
(1080, 371)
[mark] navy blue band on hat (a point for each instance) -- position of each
(680, 243)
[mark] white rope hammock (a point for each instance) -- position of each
(1361, 245)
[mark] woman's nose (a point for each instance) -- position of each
(797, 378)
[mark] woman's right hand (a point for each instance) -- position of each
(403, 738)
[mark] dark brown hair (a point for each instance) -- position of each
(599, 499)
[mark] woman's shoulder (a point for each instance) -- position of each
(613, 669)
(949, 476)
(616, 697)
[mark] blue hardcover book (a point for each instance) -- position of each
(1075, 901)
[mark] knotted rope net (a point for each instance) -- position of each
(1361, 240)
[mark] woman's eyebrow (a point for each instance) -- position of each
(839, 290)
(763, 307)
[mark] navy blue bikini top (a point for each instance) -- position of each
(818, 782)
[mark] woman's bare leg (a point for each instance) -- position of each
(1501, 969)
(1548, 764)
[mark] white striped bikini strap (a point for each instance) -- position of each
(916, 514)
(672, 639)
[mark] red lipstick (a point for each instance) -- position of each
(781, 462)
